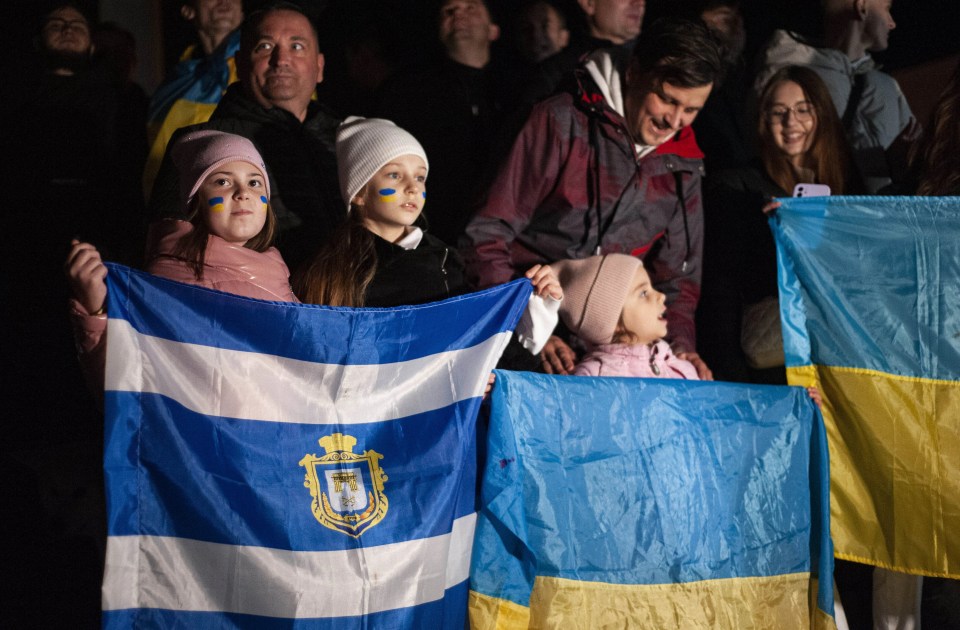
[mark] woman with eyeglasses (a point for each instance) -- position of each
(801, 140)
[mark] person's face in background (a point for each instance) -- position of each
(214, 16)
(617, 21)
(67, 31)
(281, 65)
(466, 22)
(792, 122)
(878, 22)
(541, 32)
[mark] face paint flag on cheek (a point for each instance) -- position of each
(387, 194)
(216, 204)
(264, 200)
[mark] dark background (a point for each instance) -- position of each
(926, 29)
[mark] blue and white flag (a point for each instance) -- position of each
(284, 465)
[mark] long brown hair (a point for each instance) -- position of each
(192, 247)
(936, 157)
(343, 268)
(829, 154)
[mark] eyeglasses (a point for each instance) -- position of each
(803, 112)
(60, 25)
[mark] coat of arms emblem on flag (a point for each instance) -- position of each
(338, 480)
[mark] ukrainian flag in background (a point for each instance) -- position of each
(870, 303)
(187, 97)
(280, 465)
(647, 503)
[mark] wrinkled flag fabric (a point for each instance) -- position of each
(284, 465)
(649, 503)
(870, 306)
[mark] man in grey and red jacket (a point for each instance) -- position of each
(609, 165)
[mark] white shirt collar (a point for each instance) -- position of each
(411, 240)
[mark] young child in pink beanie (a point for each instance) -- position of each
(610, 304)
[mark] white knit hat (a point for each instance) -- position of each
(364, 145)
(199, 153)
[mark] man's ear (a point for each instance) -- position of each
(564, 38)
(187, 12)
(493, 33)
(588, 6)
(860, 7)
(320, 62)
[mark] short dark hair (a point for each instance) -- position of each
(693, 9)
(678, 51)
(253, 20)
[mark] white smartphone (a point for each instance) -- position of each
(811, 190)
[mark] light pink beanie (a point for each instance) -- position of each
(594, 290)
(200, 153)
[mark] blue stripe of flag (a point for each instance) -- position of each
(239, 482)
(864, 283)
(171, 310)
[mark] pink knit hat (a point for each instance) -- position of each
(594, 290)
(199, 153)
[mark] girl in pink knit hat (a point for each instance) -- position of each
(610, 304)
(225, 245)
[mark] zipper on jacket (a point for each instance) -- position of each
(443, 270)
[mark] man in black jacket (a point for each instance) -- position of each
(279, 65)
(453, 108)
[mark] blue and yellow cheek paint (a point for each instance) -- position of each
(387, 195)
(216, 204)
(264, 201)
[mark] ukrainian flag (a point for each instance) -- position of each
(647, 503)
(188, 97)
(870, 303)
(274, 465)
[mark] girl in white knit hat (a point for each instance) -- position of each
(382, 256)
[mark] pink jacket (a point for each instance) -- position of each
(638, 360)
(227, 267)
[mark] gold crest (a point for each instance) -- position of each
(347, 488)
